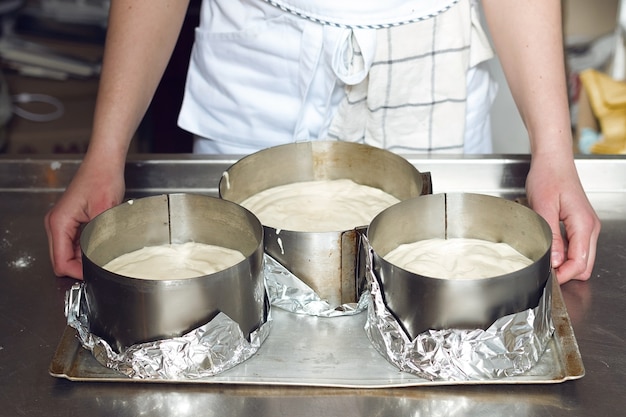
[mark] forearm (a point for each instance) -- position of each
(528, 40)
(140, 39)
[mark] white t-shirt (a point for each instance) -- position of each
(266, 74)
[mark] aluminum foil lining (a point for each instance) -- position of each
(206, 351)
(288, 292)
(510, 346)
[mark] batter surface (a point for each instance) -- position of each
(175, 261)
(319, 206)
(457, 258)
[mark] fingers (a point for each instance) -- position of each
(581, 251)
(64, 249)
(573, 255)
(578, 266)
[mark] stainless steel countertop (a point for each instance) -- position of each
(32, 320)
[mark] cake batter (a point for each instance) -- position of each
(458, 258)
(319, 206)
(174, 261)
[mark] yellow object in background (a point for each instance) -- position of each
(607, 97)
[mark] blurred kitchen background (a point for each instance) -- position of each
(50, 52)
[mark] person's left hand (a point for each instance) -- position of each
(555, 192)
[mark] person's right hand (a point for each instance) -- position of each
(132, 66)
(95, 188)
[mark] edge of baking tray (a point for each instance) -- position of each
(74, 363)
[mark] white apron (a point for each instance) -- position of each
(262, 74)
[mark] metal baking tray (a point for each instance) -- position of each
(330, 352)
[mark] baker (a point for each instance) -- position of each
(405, 75)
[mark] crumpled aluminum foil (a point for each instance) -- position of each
(510, 346)
(206, 351)
(288, 292)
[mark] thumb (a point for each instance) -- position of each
(557, 255)
(551, 216)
